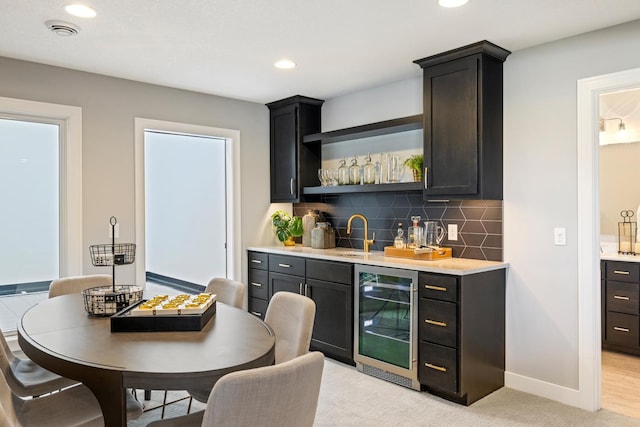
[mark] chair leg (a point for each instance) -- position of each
(189, 406)
(147, 395)
(164, 404)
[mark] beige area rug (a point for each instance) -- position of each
(351, 398)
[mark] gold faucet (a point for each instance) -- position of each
(367, 242)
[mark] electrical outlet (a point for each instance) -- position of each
(560, 236)
(117, 230)
(452, 231)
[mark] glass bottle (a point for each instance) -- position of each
(368, 171)
(399, 241)
(354, 172)
(343, 173)
(415, 239)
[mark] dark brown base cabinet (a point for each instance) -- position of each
(461, 334)
(329, 284)
(621, 306)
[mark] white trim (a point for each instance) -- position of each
(589, 333)
(232, 148)
(71, 246)
(565, 395)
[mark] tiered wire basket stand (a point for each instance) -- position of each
(108, 300)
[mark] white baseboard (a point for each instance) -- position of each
(565, 395)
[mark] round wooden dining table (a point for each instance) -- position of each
(59, 335)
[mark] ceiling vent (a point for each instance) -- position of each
(62, 28)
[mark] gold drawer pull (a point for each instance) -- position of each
(258, 285)
(436, 367)
(255, 313)
(435, 288)
(256, 261)
(621, 297)
(626, 273)
(616, 328)
(435, 322)
(284, 265)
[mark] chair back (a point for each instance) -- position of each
(284, 395)
(291, 317)
(77, 284)
(228, 291)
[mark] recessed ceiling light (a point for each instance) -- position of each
(285, 64)
(452, 3)
(80, 10)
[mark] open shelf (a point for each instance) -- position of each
(365, 131)
(367, 188)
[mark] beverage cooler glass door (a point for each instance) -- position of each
(386, 323)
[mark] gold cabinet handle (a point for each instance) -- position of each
(625, 273)
(621, 297)
(435, 288)
(436, 367)
(616, 328)
(435, 322)
(257, 285)
(256, 261)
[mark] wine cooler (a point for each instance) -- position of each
(385, 336)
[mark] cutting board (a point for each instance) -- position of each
(409, 253)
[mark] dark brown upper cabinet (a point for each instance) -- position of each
(462, 126)
(293, 165)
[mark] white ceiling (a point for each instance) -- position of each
(228, 47)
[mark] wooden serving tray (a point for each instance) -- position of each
(125, 321)
(409, 253)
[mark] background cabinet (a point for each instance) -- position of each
(462, 97)
(461, 334)
(293, 165)
(329, 284)
(621, 306)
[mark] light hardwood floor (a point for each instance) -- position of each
(621, 383)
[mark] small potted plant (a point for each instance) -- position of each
(416, 164)
(286, 227)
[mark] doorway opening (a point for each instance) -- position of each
(187, 199)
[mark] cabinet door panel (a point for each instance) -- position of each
(333, 325)
(622, 329)
(258, 307)
(330, 271)
(622, 297)
(283, 282)
(623, 271)
(438, 322)
(258, 260)
(438, 367)
(284, 126)
(287, 265)
(437, 286)
(451, 128)
(259, 284)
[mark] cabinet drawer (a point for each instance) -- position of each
(330, 271)
(287, 265)
(623, 297)
(436, 286)
(258, 307)
(623, 271)
(258, 260)
(622, 329)
(259, 284)
(438, 322)
(438, 367)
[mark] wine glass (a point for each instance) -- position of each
(321, 177)
(326, 174)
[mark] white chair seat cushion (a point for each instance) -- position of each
(32, 379)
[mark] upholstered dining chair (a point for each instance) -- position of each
(25, 377)
(284, 395)
(291, 317)
(77, 284)
(72, 406)
(228, 291)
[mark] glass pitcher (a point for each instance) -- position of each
(395, 168)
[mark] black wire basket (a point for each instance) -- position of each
(107, 255)
(108, 300)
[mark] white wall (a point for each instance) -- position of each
(540, 193)
(109, 106)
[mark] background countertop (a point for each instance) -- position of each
(455, 266)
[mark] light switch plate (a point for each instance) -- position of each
(452, 231)
(560, 236)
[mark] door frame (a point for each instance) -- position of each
(233, 205)
(70, 164)
(589, 298)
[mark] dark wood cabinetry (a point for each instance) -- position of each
(462, 127)
(293, 165)
(329, 284)
(621, 306)
(461, 334)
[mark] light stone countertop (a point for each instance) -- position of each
(455, 266)
(614, 256)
